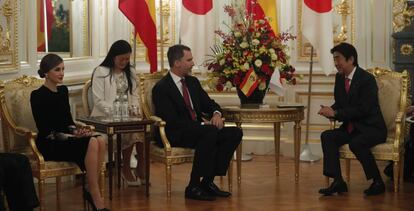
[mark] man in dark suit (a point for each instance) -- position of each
(356, 105)
(194, 121)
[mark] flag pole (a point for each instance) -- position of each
(135, 48)
(161, 36)
(306, 154)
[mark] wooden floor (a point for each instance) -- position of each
(260, 190)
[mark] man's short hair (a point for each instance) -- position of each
(347, 50)
(176, 52)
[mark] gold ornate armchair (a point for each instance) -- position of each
(87, 101)
(168, 155)
(19, 132)
(393, 100)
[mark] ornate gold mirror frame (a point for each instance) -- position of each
(8, 36)
(344, 19)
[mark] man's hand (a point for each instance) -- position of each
(326, 111)
(217, 121)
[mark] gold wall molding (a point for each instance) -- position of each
(344, 27)
(402, 15)
(8, 36)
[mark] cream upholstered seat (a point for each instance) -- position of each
(168, 155)
(19, 132)
(393, 100)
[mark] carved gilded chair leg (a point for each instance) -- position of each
(396, 171)
(348, 170)
(230, 176)
(168, 177)
(401, 169)
(41, 194)
(58, 179)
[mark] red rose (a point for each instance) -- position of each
(219, 87)
(237, 80)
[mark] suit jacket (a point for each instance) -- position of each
(360, 106)
(170, 106)
(104, 90)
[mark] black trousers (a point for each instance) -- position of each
(214, 148)
(359, 144)
(16, 181)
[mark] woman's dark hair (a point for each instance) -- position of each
(118, 48)
(347, 50)
(48, 62)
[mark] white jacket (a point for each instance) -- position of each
(104, 90)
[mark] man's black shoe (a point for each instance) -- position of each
(198, 193)
(375, 188)
(336, 187)
(213, 190)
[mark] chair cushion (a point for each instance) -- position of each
(54, 165)
(175, 151)
(387, 147)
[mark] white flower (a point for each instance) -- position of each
(246, 66)
(237, 34)
(272, 51)
(255, 42)
(258, 63)
(228, 85)
(244, 45)
(273, 56)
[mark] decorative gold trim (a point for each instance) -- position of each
(401, 15)
(406, 49)
(9, 37)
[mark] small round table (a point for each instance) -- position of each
(275, 115)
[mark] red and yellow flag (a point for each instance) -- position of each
(264, 8)
(50, 19)
(249, 83)
(141, 13)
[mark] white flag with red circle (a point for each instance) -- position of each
(197, 28)
(318, 30)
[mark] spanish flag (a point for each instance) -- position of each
(50, 19)
(141, 13)
(264, 8)
(249, 83)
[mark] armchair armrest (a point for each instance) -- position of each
(31, 136)
(161, 126)
(399, 128)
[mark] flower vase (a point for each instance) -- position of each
(252, 101)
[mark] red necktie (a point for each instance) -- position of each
(349, 127)
(187, 100)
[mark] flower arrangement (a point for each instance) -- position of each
(250, 45)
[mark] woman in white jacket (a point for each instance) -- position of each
(113, 78)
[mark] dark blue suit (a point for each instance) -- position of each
(360, 107)
(213, 147)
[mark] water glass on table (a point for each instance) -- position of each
(134, 112)
(108, 114)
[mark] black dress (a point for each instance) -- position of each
(51, 112)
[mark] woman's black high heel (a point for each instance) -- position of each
(88, 197)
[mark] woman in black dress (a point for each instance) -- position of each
(58, 139)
